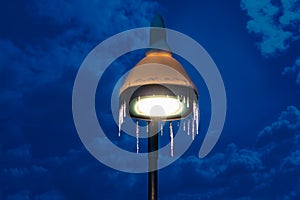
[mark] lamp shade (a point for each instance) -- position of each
(158, 87)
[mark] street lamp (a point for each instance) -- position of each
(158, 89)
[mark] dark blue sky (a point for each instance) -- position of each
(255, 45)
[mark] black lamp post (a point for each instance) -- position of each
(157, 89)
(152, 160)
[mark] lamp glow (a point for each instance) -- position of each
(158, 106)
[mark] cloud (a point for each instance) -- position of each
(16, 172)
(274, 22)
(291, 163)
(20, 153)
(24, 195)
(50, 195)
(97, 18)
(18, 196)
(271, 169)
(224, 175)
(37, 77)
(41, 156)
(81, 26)
(295, 69)
(285, 127)
(70, 176)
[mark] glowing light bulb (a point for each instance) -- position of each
(158, 106)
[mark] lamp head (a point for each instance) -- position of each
(158, 88)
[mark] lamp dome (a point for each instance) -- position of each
(158, 76)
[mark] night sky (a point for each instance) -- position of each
(256, 46)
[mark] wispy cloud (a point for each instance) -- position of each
(36, 78)
(276, 23)
(97, 18)
(295, 69)
(269, 170)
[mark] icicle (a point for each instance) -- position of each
(161, 128)
(194, 120)
(121, 119)
(189, 127)
(137, 136)
(172, 140)
(184, 99)
(197, 119)
(124, 109)
(194, 110)
(147, 127)
(187, 102)
(184, 126)
(193, 129)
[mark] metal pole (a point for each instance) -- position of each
(152, 159)
(157, 40)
